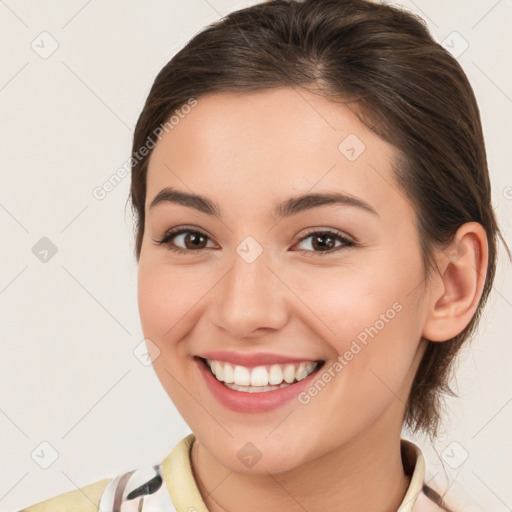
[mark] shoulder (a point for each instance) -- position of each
(85, 499)
(148, 484)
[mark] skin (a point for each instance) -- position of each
(245, 152)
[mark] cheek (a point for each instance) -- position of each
(347, 300)
(166, 296)
(370, 319)
(156, 299)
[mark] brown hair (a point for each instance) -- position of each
(383, 63)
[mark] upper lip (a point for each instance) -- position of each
(251, 359)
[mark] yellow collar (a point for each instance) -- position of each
(185, 495)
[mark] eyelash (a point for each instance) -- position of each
(178, 231)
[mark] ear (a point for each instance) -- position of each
(457, 289)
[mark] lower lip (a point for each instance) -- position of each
(242, 401)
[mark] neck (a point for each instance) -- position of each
(365, 473)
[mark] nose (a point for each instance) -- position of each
(250, 300)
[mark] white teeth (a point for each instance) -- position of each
(276, 374)
(242, 376)
(289, 373)
(255, 389)
(218, 370)
(229, 374)
(260, 378)
(302, 372)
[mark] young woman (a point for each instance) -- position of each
(316, 241)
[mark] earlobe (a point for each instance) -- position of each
(459, 284)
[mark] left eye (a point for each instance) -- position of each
(325, 241)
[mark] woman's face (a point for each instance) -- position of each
(263, 279)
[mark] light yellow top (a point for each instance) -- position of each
(182, 487)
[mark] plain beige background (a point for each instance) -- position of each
(71, 386)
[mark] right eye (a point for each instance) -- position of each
(189, 238)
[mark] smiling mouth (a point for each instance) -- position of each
(259, 379)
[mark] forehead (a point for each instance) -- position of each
(249, 149)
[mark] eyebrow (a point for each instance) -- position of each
(287, 208)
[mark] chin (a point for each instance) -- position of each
(257, 457)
